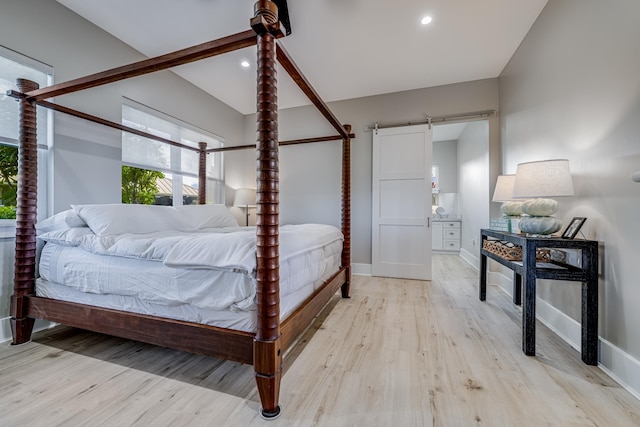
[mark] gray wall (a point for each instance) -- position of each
(445, 156)
(473, 177)
(572, 90)
(323, 160)
(87, 158)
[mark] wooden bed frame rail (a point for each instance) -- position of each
(265, 348)
(185, 336)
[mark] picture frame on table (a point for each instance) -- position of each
(573, 227)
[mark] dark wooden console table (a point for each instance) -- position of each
(527, 271)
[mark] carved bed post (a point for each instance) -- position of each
(202, 173)
(346, 209)
(267, 353)
(26, 215)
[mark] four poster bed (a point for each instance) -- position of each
(262, 346)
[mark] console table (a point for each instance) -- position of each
(528, 270)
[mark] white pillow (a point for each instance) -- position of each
(207, 216)
(124, 218)
(60, 221)
(67, 237)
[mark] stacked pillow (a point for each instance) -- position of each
(207, 216)
(60, 221)
(111, 219)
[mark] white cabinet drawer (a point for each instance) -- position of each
(451, 233)
(452, 245)
(452, 224)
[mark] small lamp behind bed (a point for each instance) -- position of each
(245, 198)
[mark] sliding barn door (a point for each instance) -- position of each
(401, 217)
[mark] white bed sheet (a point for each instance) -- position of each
(154, 282)
(147, 280)
(208, 296)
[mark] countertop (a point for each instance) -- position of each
(446, 219)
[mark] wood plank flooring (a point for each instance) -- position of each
(398, 353)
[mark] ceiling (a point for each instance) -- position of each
(346, 48)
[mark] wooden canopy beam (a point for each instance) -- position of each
(100, 121)
(281, 143)
(290, 67)
(151, 65)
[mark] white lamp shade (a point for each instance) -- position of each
(245, 197)
(547, 178)
(504, 188)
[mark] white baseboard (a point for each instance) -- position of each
(620, 366)
(473, 260)
(505, 283)
(5, 328)
(361, 269)
(623, 368)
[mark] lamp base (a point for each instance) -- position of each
(540, 225)
(540, 207)
(511, 208)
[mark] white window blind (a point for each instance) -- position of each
(149, 154)
(13, 66)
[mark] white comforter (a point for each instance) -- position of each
(226, 248)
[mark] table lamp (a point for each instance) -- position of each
(245, 198)
(504, 193)
(539, 181)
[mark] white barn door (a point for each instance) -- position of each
(401, 201)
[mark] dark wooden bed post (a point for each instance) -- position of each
(267, 353)
(202, 173)
(346, 209)
(26, 215)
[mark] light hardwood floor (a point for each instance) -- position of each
(398, 353)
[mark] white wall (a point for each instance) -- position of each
(445, 156)
(86, 156)
(474, 178)
(323, 160)
(572, 90)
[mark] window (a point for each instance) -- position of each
(169, 173)
(13, 66)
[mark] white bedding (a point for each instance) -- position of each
(206, 276)
(200, 249)
(152, 281)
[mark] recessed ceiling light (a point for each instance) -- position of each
(426, 20)
(245, 64)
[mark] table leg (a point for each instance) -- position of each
(517, 288)
(529, 305)
(589, 344)
(483, 277)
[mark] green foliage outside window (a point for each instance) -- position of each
(139, 185)
(7, 212)
(8, 181)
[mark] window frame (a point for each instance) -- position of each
(45, 158)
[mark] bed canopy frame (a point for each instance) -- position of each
(264, 348)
